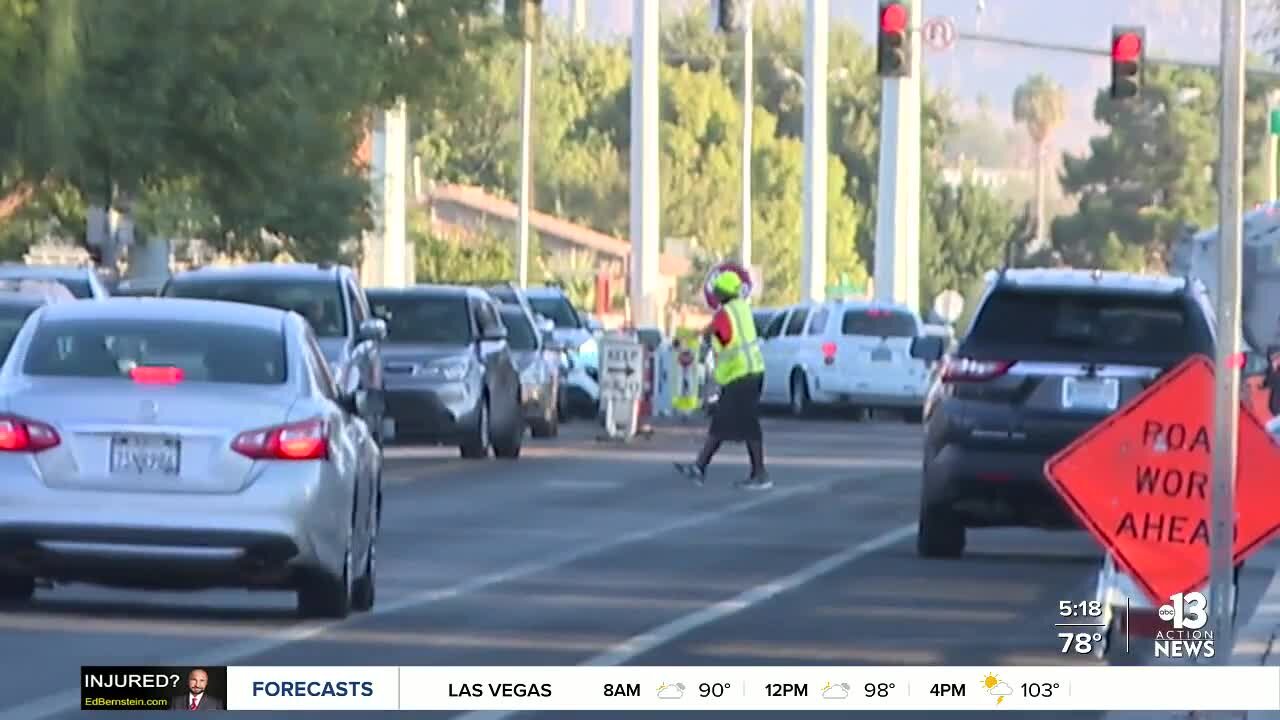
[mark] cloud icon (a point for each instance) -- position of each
(836, 692)
(671, 692)
(1001, 688)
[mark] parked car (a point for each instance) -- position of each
(184, 444)
(327, 296)
(538, 359)
(449, 371)
(20, 298)
(82, 281)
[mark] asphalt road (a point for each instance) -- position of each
(566, 555)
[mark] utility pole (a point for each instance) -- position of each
(748, 108)
(645, 207)
(526, 122)
(813, 267)
(1227, 376)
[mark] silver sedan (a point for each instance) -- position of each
(184, 444)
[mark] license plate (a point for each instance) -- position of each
(1090, 393)
(881, 355)
(144, 455)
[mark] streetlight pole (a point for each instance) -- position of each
(1227, 376)
(526, 121)
(813, 264)
(748, 108)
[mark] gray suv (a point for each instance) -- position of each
(328, 296)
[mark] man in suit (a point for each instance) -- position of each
(195, 698)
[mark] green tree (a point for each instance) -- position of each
(971, 230)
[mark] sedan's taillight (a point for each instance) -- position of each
(305, 440)
(958, 369)
(18, 434)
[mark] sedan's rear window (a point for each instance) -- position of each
(206, 352)
(878, 323)
(1078, 323)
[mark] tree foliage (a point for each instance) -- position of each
(1154, 170)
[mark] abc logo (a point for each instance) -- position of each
(1166, 612)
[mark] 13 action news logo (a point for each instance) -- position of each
(1188, 612)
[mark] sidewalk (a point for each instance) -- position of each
(1257, 641)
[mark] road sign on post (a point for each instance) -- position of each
(621, 385)
(939, 33)
(1140, 482)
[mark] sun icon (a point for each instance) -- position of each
(991, 681)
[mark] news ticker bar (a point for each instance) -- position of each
(792, 688)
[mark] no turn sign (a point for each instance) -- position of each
(939, 33)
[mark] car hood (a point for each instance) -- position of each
(402, 353)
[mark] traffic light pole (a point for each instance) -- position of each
(1227, 376)
(897, 240)
(813, 267)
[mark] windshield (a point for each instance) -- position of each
(879, 323)
(1069, 324)
(12, 318)
(520, 335)
(206, 352)
(419, 319)
(557, 310)
(319, 301)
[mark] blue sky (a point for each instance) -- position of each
(1176, 29)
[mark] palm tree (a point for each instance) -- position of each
(1040, 105)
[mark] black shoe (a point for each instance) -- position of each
(690, 470)
(760, 482)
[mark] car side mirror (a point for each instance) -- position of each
(928, 348)
(374, 329)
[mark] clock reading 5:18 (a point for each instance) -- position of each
(1085, 608)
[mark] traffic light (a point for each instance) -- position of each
(893, 43)
(727, 15)
(524, 19)
(1128, 50)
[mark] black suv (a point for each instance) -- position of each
(328, 296)
(1049, 354)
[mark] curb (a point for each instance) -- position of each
(1257, 643)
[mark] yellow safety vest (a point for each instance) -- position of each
(742, 356)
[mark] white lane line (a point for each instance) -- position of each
(583, 484)
(62, 702)
(638, 645)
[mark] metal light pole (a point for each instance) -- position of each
(1227, 377)
(748, 107)
(813, 263)
(526, 121)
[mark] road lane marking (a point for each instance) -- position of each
(67, 701)
(583, 484)
(655, 638)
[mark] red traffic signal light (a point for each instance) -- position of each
(1128, 49)
(893, 42)
(893, 18)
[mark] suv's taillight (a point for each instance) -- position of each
(306, 440)
(19, 434)
(959, 369)
(829, 353)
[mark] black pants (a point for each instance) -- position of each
(736, 417)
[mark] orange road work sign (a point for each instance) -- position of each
(1140, 482)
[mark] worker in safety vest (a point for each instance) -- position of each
(739, 371)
